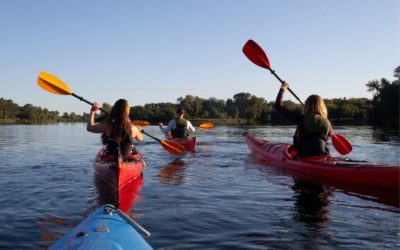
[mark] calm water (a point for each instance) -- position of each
(221, 197)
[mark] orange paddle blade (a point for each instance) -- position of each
(140, 123)
(173, 147)
(341, 144)
(52, 84)
(207, 125)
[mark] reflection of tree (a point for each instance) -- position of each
(311, 202)
(381, 134)
(173, 173)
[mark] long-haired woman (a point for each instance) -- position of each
(313, 127)
(118, 133)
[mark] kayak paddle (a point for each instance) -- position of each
(140, 123)
(170, 146)
(341, 144)
(256, 54)
(54, 85)
(206, 125)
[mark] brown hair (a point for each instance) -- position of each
(315, 105)
(118, 119)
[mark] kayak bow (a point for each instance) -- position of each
(106, 228)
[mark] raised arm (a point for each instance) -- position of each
(91, 127)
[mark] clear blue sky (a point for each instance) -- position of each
(158, 51)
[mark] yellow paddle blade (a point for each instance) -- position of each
(172, 147)
(207, 125)
(52, 84)
(140, 123)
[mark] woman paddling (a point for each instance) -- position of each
(118, 131)
(313, 127)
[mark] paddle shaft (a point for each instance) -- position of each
(277, 77)
(84, 100)
(155, 138)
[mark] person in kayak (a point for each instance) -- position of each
(313, 127)
(179, 127)
(117, 129)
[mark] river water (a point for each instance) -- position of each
(220, 197)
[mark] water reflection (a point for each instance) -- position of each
(173, 173)
(311, 202)
(386, 135)
(387, 197)
(51, 229)
(124, 199)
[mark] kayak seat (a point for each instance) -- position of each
(112, 147)
(131, 158)
(126, 158)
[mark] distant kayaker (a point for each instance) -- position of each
(117, 128)
(179, 127)
(313, 127)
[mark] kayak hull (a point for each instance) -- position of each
(381, 176)
(188, 143)
(106, 228)
(118, 174)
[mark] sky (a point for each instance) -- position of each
(157, 51)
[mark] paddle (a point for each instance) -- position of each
(206, 125)
(140, 123)
(341, 144)
(54, 85)
(256, 54)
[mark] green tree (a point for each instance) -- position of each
(385, 101)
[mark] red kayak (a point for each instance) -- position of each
(118, 173)
(188, 143)
(336, 168)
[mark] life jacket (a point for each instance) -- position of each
(311, 137)
(180, 130)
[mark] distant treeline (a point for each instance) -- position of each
(243, 108)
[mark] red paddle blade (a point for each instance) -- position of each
(341, 144)
(172, 147)
(256, 54)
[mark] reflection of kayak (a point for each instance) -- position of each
(124, 198)
(116, 173)
(335, 168)
(188, 143)
(106, 228)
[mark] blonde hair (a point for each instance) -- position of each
(315, 105)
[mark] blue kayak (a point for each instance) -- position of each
(106, 228)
